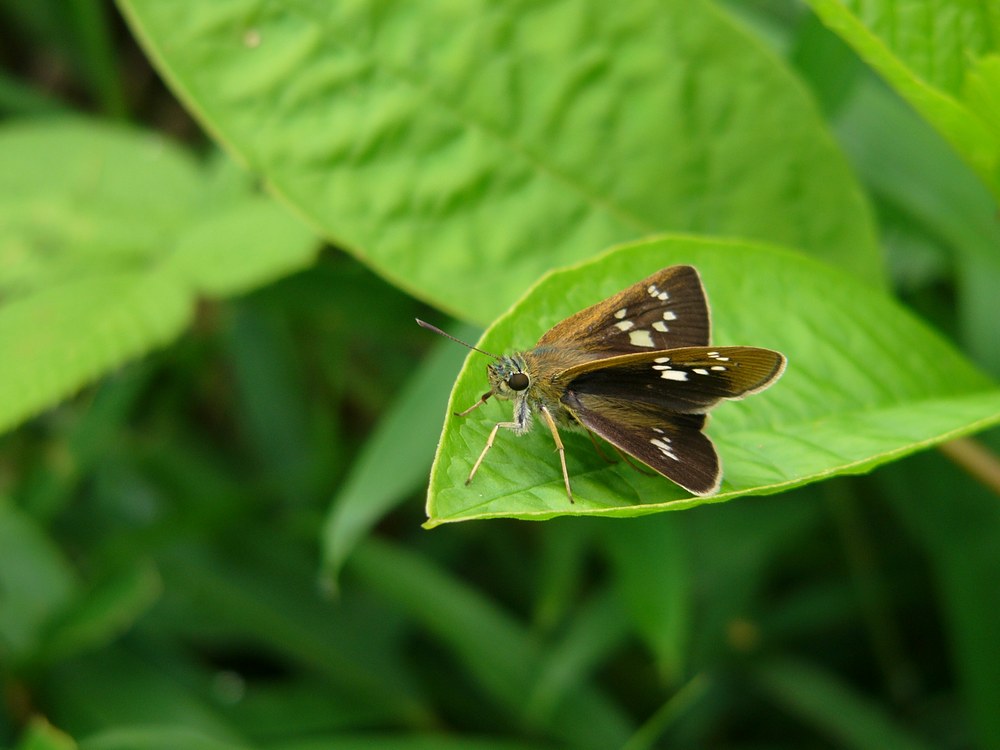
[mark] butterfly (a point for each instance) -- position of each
(637, 370)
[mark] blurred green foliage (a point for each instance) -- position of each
(218, 440)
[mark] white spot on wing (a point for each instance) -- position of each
(718, 368)
(661, 360)
(669, 315)
(701, 371)
(620, 314)
(660, 326)
(674, 375)
(664, 446)
(624, 325)
(641, 338)
(655, 291)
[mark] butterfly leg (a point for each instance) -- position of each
(559, 447)
(600, 451)
(480, 402)
(638, 467)
(489, 444)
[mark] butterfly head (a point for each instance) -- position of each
(507, 376)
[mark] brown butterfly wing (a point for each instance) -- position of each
(652, 405)
(684, 381)
(672, 444)
(664, 311)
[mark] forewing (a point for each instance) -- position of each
(665, 311)
(679, 381)
(672, 444)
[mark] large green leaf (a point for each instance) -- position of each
(937, 198)
(943, 57)
(464, 148)
(107, 238)
(866, 383)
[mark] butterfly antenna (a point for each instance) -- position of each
(435, 329)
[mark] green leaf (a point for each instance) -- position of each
(394, 461)
(41, 735)
(265, 595)
(910, 167)
(957, 523)
(138, 687)
(277, 417)
(240, 248)
(462, 149)
(515, 664)
(407, 741)
(107, 237)
(103, 613)
(35, 584)
(158, 738)
(866, 383)
(676, 707)
(596, 631)
(849, 719)
(660, 605)
(943, 57)
(55, 340)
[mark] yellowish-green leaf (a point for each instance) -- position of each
(866, 383)
(943, 57)
(107, 238)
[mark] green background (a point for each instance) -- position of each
(217, 223)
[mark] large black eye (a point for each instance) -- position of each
(518, 381)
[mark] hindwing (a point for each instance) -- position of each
(672, 444)
(652, 405)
